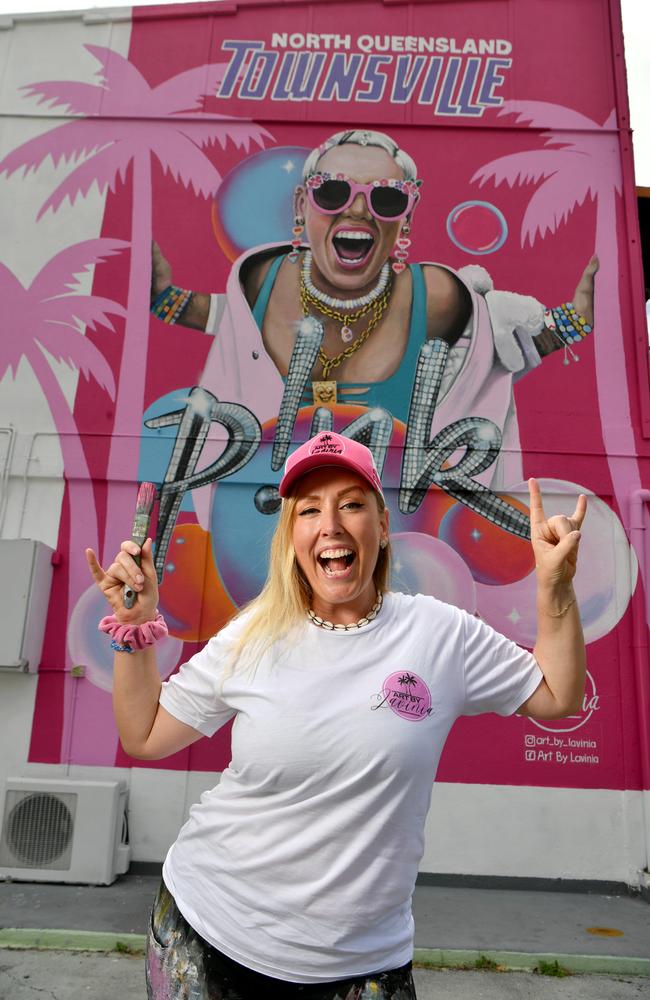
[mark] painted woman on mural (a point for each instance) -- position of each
(346, 267)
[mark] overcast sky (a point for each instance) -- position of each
(636, 26)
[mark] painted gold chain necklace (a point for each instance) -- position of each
(325, 390)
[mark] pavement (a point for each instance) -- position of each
(39, 975)
(69, 941)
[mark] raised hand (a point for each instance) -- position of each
(555, 540)
(161, 271)
(583, 297)
(124, 570)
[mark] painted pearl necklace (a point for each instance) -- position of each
(348, 304)
(322, 623)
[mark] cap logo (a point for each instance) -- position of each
(327, 444)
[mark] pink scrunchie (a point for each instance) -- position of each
(136, 636)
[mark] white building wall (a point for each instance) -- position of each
(40, 47)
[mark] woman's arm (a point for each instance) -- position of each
(197, 310)
(145, 729)
(449, 305)
(547, 342)
(560, 648)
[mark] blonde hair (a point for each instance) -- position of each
(281, 606)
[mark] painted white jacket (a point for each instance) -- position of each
(496, 347)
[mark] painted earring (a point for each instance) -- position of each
(401, 249)
(296, 242)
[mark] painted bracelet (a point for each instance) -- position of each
(570, 326)
(134, 636)
(170, 305)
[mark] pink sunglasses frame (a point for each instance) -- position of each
(410, 188)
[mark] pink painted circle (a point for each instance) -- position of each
(407, 695)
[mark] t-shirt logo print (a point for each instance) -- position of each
(406, 694)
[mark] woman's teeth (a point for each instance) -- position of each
(336, 561)
(353, 245)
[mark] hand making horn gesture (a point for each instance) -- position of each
(555, 541)
(124, 570)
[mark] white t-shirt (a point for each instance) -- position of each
(301, 862)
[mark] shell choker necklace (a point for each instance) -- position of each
(345, 304)
(322, 623)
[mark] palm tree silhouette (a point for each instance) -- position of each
(45, 319)
(407, 681)
(572, 168)
(124, 124)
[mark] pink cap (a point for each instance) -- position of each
(328, 448)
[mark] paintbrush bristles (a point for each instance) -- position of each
(143, 508)
(146, 498)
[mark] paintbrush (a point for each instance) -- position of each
(143, 509)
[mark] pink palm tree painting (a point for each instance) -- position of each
(47, 318)
(124, 124)
(572, 169)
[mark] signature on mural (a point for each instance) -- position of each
(590, 705)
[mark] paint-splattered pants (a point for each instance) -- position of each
(180, 965)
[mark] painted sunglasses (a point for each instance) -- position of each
(387, 199)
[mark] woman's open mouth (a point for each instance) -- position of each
(352, 246)
(336, 562)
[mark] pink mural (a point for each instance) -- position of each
(454, 374)
(573, 171)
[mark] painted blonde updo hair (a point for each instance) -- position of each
(361, 137)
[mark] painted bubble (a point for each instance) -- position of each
(494, 556)
(254, 204)
(91, 648)
(477, 227)
(424, 565)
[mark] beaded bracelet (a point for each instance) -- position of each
(170, 305)
(134, 636)
(121, 649)
(569, 324)
(568, 327)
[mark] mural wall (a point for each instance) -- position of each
(170, 152)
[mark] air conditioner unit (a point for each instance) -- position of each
(60, 830)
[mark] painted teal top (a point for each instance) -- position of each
(392, 393)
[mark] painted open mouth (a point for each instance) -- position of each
(336, 561)
(353, 246)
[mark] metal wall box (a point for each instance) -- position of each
(25, 582)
